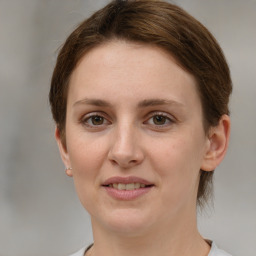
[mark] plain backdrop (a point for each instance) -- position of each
(39, 211)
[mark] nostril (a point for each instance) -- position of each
(114, 162)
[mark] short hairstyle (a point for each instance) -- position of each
(157, 23)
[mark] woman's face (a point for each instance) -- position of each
(134, 137)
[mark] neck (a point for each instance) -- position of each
(169, 238)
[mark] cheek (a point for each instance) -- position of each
(178, 155)
(178, 165)
(85, 151)
(86, 157)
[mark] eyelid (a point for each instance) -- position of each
(84, 118)
(170, 117)
(161, 113)
(87, 116)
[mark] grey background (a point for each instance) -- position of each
(39, 211)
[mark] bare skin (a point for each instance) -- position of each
(133, 112)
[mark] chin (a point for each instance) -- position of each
(130, 222)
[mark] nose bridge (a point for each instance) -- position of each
(125, 149)
(125, 138)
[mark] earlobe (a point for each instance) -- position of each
(217, 144)
(69, 171)
(63, 152)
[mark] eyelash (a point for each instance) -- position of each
(88, 122)
(88, 118)
(166, 117)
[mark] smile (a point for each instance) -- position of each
(127, 188)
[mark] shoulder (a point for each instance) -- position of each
(215, 251)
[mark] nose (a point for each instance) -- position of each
(125, 150)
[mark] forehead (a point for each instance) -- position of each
(131, 70)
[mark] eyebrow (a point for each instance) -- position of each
(158, 102)
(94, 102)
(142, 104)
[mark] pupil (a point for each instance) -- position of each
(159, 120)
(97, 120)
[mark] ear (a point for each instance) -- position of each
(63, 152)
(217, 144)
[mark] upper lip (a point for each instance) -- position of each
(126, 180)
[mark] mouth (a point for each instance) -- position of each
(127, 188)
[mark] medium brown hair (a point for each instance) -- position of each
(166, 26)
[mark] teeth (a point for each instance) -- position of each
(130, 186)
(121, 186)
(137, 185)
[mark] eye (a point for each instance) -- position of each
(94, 120)
(160, 119)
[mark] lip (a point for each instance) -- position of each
(126, 180)
(127, 194)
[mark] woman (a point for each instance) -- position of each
(140, 97)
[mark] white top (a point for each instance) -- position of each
(79, 253)
(215, 251)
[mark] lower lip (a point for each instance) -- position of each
(127, 194)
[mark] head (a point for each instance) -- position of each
(159, 24)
